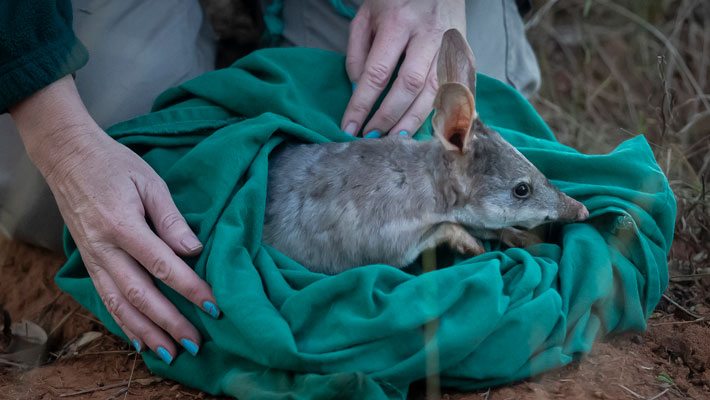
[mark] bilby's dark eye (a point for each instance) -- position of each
(522, 190)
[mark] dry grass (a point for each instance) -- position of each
(616, 69)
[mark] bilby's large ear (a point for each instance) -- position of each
(455, 104)
(456, 63)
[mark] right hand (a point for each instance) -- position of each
(381, 33)
(105, 192)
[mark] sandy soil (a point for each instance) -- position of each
(670, 360)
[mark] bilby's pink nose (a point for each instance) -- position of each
(582, 214)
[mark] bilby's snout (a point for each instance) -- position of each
(571, 209)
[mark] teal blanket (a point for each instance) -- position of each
(369, 332)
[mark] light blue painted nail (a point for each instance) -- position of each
(190, 346)
(136, 345)
(373, 135)
(354, 84)
(211, 309)
(403, 133)
(164, 355)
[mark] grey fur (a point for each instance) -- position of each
(336, 206)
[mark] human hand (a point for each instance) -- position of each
(381, 32)
(105, 192)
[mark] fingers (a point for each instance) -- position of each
(381, 62)
(137, 344)
(358, 44)
(418, 112)
(155, 256)
(168, 221)
(142, 294)
(408, 86)
(140, 329)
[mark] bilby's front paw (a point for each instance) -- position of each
(469, 245)
(516, 238)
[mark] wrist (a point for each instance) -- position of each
(53, 123)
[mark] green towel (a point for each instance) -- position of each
(362, 334)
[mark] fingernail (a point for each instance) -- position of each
(136, 345)
(190, 346)
(354, 84)
(191, 244)
(403, 133)
(211, 309)
(350, 129)
(373, 135)
(164, 355)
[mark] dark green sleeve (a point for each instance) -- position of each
(37, 47)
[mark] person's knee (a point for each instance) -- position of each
(137, 50)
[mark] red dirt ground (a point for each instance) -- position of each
(671, 360)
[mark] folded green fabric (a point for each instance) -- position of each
(371, 331)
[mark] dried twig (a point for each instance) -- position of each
(680, 322)
(123, 391)
(90, 318)
(638, 396)
(94, 389)
(100, 353)
(143, 382)
(14, 364)
(63, 320)
(682, 278)
(659, 394)
(692, 314)
(130, 378)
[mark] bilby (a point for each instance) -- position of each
(336, 206)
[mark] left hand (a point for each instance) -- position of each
(381, 32)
